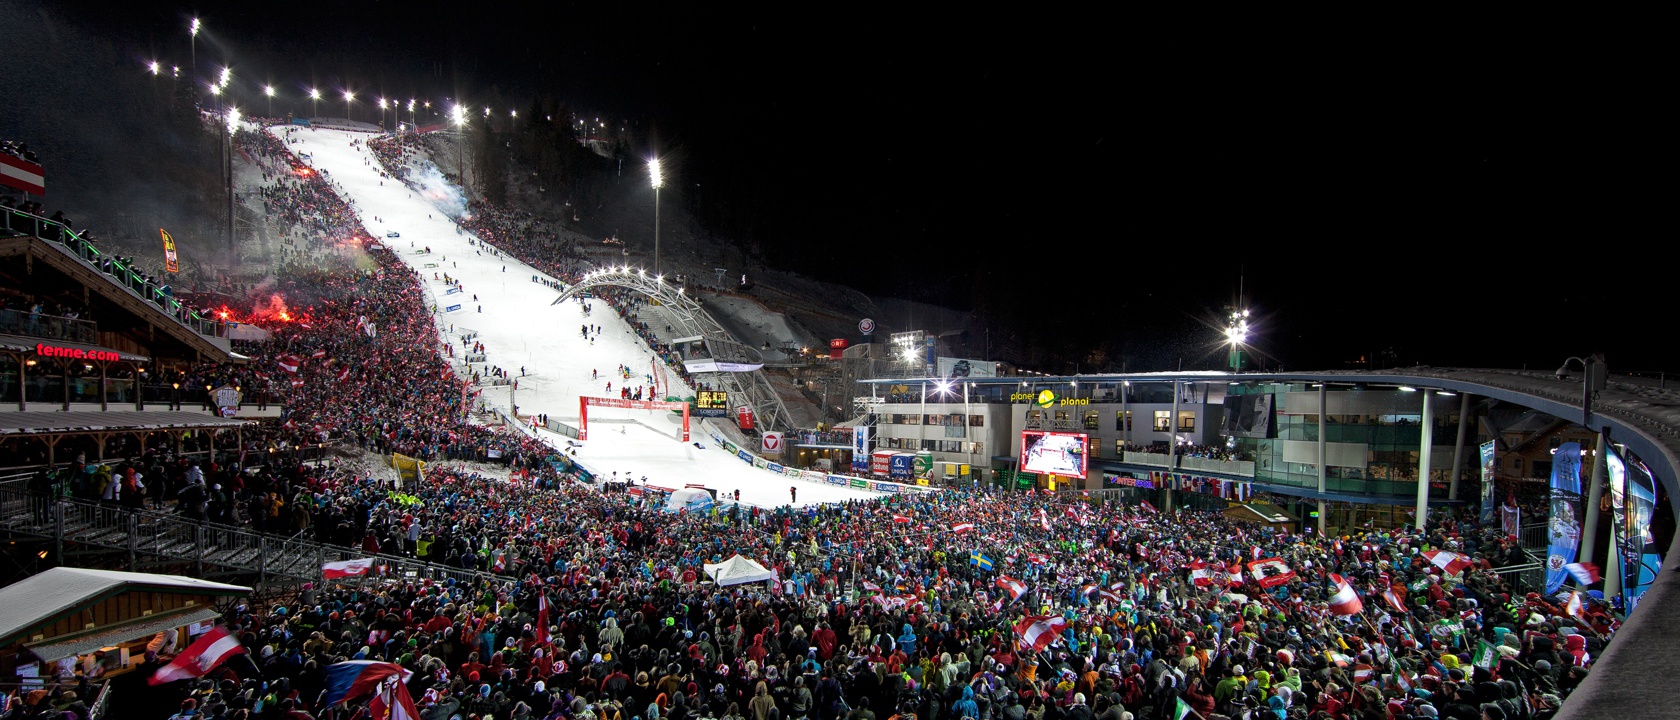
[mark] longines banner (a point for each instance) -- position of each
(959, 368)
(1632, 501)
(1565, 527)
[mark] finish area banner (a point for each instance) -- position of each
(1565, 526)
(1488, 460)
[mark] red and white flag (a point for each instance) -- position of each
(1148, 506)
(1392, 597)
(1043, 520)
(900, 519)
(541, 630)
(318, 354)
(1363, 673)
(18, 173)
(393, 702)
(289, 363)
(1584, 573)
(1037, 632)
(1015, 587)
(1200, 576)
(962, 527)
(1346, 600)
(344, 373)
(1234, 574)
(208, 651)
(1573, 605)
(1271, 572)
(1450, 562)
(347, 568)
(1037, 559)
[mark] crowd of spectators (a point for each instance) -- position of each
(879, 609)
(19, 150)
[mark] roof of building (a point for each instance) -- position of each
(54, 422)
(39, 598)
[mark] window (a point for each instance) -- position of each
(1516, 463)
(1163, 420)
(1186, 421)
(1119, 448)
(1123, 420)
(1091, 420)
(977, 421)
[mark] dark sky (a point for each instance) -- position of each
(1463, 193)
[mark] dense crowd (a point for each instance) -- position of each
(879, 609)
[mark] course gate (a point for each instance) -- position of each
(585, 401)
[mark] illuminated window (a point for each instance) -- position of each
(1163, 420)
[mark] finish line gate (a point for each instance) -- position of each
(585, 401)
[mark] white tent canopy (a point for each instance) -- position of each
(689, 499)
(737, 570)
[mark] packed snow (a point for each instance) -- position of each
(539, 343)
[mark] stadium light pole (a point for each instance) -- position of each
(314, 102)
(232, 125)
(459, 115)
(268, 90)
(382, 113)
(193, 71)
(658, 180)
(349, 97)
(1236, 333)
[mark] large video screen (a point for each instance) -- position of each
(1054, 453)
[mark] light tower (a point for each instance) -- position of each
(658, 180)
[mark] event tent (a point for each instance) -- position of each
(692, 499)
(737, 570)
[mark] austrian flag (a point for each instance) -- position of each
(1038, 632)
(208, 651)
(962, 527)
(1450, 562)
(1200, 576)
(1346, 600)
(1015, 587)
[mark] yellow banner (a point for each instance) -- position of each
(406, 466)
(170, 262)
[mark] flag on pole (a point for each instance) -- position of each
(208, 651)
(542, 616)
(1200, 576)
(1180, 709)
(1573, 605)
(347, 568)
(1584, 573)
(1450, 562)
(1485, 655)
(1015, 587)
(1392, 597)
(393, 703)
(355, 678)
(1271, 572)
(1346, 600)
(1037, 632)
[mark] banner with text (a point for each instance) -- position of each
(1565, 526)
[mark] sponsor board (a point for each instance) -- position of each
(759, 462)
(745, 456)
(860, 483)
(813, 476)
(887, 487)
(836, 480)
(775, 468)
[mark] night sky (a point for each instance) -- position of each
(1457, 196)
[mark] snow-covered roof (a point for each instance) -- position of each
(37, 599)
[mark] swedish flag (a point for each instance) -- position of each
(981, 560)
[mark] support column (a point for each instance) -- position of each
(104, 402)
(1458, 447)
(1323, 455)
(23, 382)
(1613, 568)
(1172, 448)
(1589, 531)
(1125, 414)
(1426, 444)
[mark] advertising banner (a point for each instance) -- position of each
(1632, 500)
(745, 456)
(887, 487)
(1487, 482)
(708, 365)
(1565, 526)
(961, 368)
(770, 443)
(776, 468)
(837, 480)
(171, 262)
(859, 483)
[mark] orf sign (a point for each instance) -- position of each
(836, 347)
(772, 443)
(744, 417)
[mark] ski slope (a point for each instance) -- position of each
(520, 328)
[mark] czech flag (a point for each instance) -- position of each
(355, 678)
(1450, 562)
(1346, 600)
(208, 651)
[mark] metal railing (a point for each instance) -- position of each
(169, 538)
(48, 327)
(98, 705)
(120, 272)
